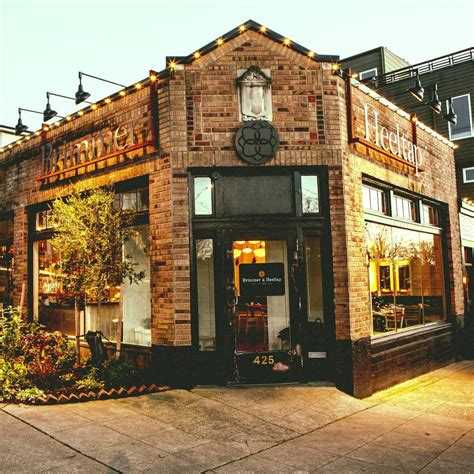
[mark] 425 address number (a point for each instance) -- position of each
(264, 360)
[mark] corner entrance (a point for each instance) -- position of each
(260, 308)
(262, 276)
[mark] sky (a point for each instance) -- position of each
(44, 43)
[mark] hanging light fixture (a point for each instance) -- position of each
(417, 90)
(20, 127)
(260, 252)
(450, 116)
(247, 250)
(434, 104)
(48, 113)
(81, 94)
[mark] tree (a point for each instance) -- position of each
(89, 236)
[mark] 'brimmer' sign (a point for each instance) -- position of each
(393, 141)
(67, 155)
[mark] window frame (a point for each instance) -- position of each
(464, 175)
(471, 134)
(385, 199)
(368, 70)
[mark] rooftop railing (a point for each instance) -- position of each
(425, 67)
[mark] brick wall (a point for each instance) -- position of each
(198, 116)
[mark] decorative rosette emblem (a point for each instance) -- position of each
(256, 142)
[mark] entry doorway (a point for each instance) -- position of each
(264, 321)
(259, 307)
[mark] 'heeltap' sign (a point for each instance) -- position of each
(391, 141)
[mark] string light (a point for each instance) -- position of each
(68, 118)
(263, 29)
(108, 100)
(172, 65)
(45, 128)
(242, 28)
(220, 42)
(138, 85)
(122, 93)
(2, 150)
(153, 78)
(57, 124)
(94, 106)
(10, 147)
(197, 55)
(287, 42)
(37, 133)
(81, 113)
(311, 54)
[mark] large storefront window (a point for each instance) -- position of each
(405, 277)
(54, 308)
(6, 262)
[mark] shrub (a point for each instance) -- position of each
(12, 329)
(48, 356)
(13, 378)
(118, 372)
(91, 381)
(29, 395)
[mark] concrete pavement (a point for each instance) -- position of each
(424, 425)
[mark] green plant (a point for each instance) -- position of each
(29, 395)
(13, 378)
(118, 372)
(12, 328)
(47, 356)
(90, 381)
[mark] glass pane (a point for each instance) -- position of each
(206, 297)
(55, 307)
(314, 279)
(262, 313)
(309, 194)
(461, 108)
(202, 196)
(129, 201)
(408, 288)
(136, 296)
(366, 197)
(142, 199)
(381, 276)
(431, 258)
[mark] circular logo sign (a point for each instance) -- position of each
(256, 142)
(261, 273)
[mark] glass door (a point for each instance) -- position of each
(262, 311)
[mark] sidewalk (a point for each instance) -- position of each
(426, 425)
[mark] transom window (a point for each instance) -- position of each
(404, 208)
(374, 199)
(430, 215)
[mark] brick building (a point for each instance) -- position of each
(292, 224)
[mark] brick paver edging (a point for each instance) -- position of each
(100, 395)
